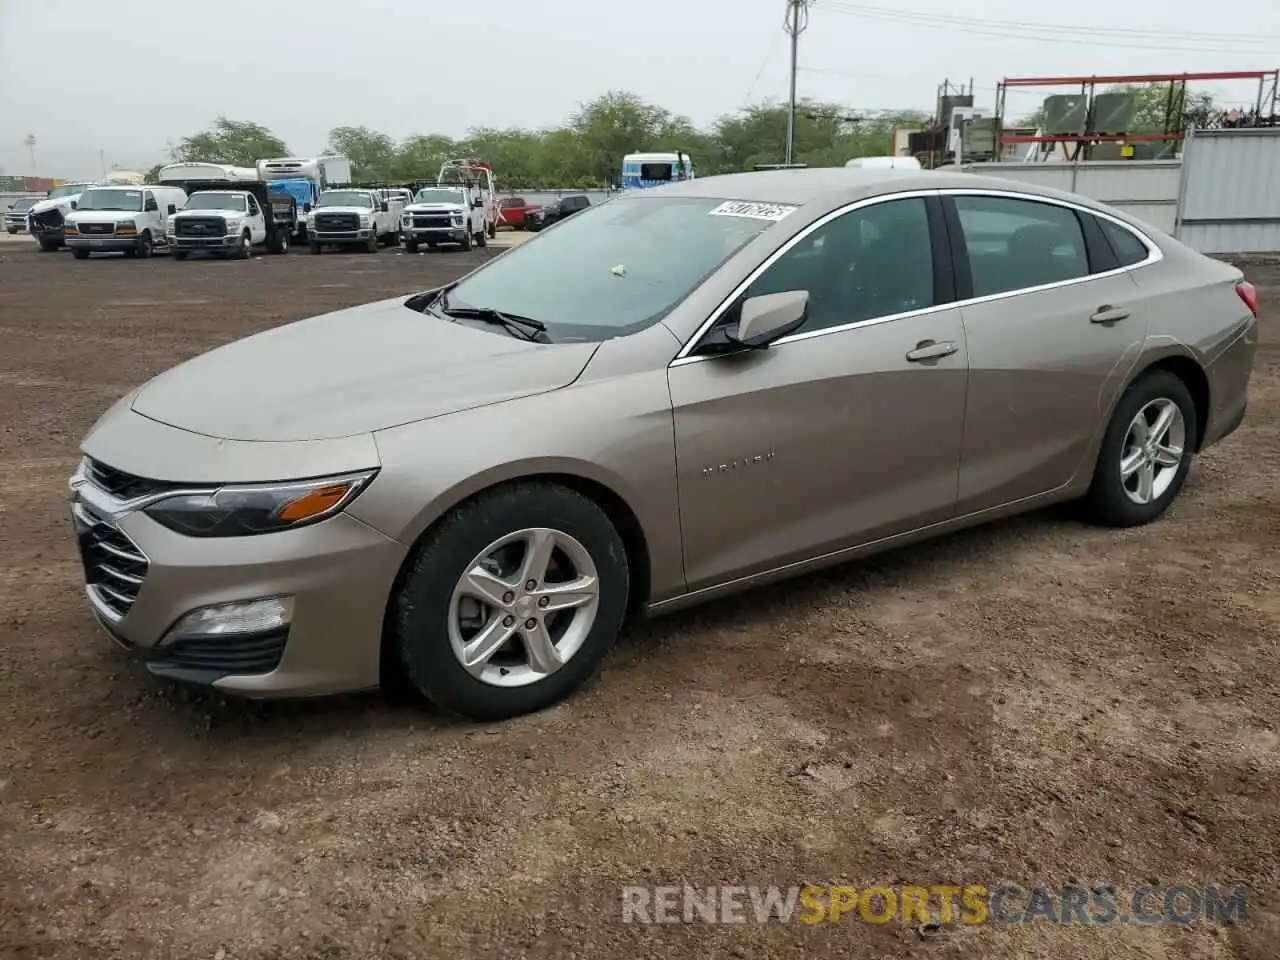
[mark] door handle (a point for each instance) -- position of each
(931, 350)
(1109, 314)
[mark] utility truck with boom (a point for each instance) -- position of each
(462, 208)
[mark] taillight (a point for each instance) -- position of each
(1249, 294)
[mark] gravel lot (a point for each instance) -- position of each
(1037, 702)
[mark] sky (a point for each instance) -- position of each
(114, 83)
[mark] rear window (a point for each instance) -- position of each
(1128, 248)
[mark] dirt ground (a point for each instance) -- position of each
(1035, 702)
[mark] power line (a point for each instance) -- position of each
(1196, 36)
(764, 65)
(1011, 30)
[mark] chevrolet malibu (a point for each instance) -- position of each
(661, 400)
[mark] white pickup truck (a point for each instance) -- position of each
(224, 223)
(348, 217)
(444, 214)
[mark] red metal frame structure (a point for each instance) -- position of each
(1174, 105)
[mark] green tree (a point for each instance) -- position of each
(238, 142)
(372, 154)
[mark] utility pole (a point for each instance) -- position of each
(796, 21)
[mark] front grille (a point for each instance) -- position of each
(199, 227)
(223, 655)
(431, 221)
(114, 566)
(97, 229)
(125, 486)
(337, 221)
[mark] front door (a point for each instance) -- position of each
(848, 430)
(1051, 344)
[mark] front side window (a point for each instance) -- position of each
(253, 207)
(151, 203)
(122, 200)
(1127, 247)
(618, 268)
(875, 261)
(1014, 244)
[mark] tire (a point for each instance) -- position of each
(11, 232)
(482, 239)
(468, 243)
(492, 231)
(48, 246)
(278, 243)
(145, 245)
(315, 247)
(373, 243)
(1146, 494)
(410, 245)
(79, 254)
(245, 250)
(427, 629)
(180, 254)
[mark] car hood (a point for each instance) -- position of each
(354, 371)
(53, 203)
(101, 216)
(363, 211)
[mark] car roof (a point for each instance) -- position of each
(835, 186)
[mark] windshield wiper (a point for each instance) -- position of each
(524, 327)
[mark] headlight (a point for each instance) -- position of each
(365, 220)
(123, 225)
(244, 510)
(232, 222)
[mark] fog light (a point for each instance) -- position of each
(241, 617)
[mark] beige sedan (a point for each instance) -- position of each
(661, 400)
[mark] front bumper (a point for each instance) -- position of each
(16, 224)
(338, 236)
(337, 575)
(104, 244)
(203, 243)
(435, 234)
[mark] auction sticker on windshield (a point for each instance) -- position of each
(756, 211)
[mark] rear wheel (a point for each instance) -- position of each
(180, 254)
(79, 254)
(1145, 454)
(512, 601)
(410, 245)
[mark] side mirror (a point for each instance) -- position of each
(477, 204)
(769, 317)
(74, 205)
(306, 208)
(173, 208)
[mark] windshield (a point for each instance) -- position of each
(438, 195)
(215, 201)
(344, 198)
(24, 203)
(66, 190)
(110, 200)
(618, 267)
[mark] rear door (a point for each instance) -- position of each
(848, 430)
(1053, 327)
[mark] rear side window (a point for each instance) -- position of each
(1014, 244)
(1128, 248)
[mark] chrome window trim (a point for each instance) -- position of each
(1154, 255)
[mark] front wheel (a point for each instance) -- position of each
(1145, 453)
(410, 245)
(482, 239)
(511, 602)
(180, 254)
(372, 244)
(469, 242)
(145, 245)
(245, 248)
(48, 246)
(80, 254)
(314, 247)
